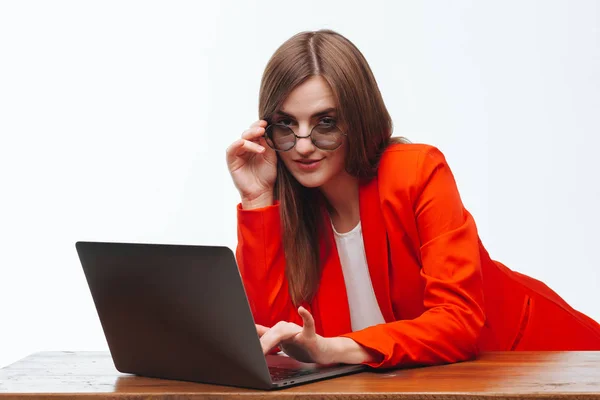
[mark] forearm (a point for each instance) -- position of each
(261, 263)
(347, 351)
(441, 335)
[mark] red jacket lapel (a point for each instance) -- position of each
(331, 299)
(376, 245)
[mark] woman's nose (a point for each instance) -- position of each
(304, 144)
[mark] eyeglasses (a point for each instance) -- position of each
(325, 136)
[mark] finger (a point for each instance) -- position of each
(240, 147)
(261, 330)
(260, 122)
(307, 320)
(234, 150)
(253, 147)
(253, 133)
(280, 332)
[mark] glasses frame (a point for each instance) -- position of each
(296, 137)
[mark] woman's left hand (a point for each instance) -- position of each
(299, 342)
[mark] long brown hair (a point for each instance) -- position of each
(368, 126)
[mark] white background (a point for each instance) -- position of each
(115, 116)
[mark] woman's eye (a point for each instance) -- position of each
(285, 121)
(327, 121)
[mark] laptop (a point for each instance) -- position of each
(181, 312)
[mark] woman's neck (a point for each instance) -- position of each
(342, 196)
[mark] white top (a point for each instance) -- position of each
(364, 310)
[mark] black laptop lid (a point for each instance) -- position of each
(175, 311)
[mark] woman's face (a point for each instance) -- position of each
(307, 105)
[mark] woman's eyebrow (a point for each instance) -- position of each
(317, 114)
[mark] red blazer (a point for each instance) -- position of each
(442, 296)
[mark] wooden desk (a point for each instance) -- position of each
(71, 375)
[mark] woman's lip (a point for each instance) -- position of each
(308, 164)
(307, 161)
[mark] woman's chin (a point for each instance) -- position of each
(311, 184)
(309, 180)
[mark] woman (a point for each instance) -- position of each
(354, 247)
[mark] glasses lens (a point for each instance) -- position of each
(280, 137)
(327, 136)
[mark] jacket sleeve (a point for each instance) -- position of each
(261, 262)
(449, 329)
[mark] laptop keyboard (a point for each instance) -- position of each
(280, 374)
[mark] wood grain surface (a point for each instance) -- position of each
(510, 375)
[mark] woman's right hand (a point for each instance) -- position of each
(253, 166)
